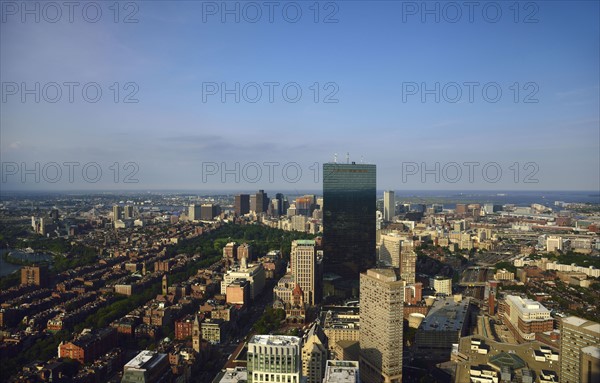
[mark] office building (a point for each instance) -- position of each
(305, 205)
(128, 212)
(314, 354)
(208, 211)
(242, 204)
(589, 364)
(305, 269)
(281, 208)
(341, 325)
(261, 202)
(349, 219)
(397, 251)
(274, 358)
(117, 213)
(194, 212)
(554, 244)
(341, 371)
(389, 205)
(146, 367)
(444, 325)
(578, 338)
(381, 321)
(525, 317)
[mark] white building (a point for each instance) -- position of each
(389, 205)
(554, 244)
(274, 358)
(441, 285)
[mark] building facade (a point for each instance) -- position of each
(349, 218)
(381, 325)
(305, 269)
(389, 205)
(576, 334)
(274, 358)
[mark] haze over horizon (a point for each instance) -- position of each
(356, 68)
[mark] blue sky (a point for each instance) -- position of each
(368, 58)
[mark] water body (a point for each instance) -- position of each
(8, 268)
(519, 198)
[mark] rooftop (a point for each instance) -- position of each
(234, 375)
(387, 274)
(342, 371)
(580, 322)
(275, 340)
(526, 305)
(305, 242)
(593, 351)
(145, 360)
(445, 315)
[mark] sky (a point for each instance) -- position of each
(192, 95)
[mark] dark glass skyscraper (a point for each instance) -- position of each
(349, 201)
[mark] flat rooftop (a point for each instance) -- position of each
(445, 315)
(275, 340)
(583, 323)
(526, 305)
(233, 375)
(144, 360)
(387, 274)
(341, 371)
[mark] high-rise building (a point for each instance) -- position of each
(306, 269)
(262, 202)
(274, 358)
(578, 337)
(314, 354)
(305, 205)
(381, 321)
(389, 205)
(389, 249)
(208, 211)
(194, 212)
(398, 251)
(349, 219)
(242, 204)
(117, 212)
(127, 212)
(281, 208)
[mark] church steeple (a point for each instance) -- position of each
(196, 334)
(165, 285)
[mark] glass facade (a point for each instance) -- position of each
(349, 201)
